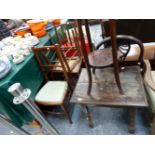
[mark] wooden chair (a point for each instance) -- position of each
(149, 83)
(53, 93)
(100, 59)
(139, 28)
(127, 45)
(69, 44)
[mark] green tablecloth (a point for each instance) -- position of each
(29, 75)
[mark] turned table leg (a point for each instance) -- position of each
(153, 126)
(132, 117)
(89, 117)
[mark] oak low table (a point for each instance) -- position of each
(105, 92)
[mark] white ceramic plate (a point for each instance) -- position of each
(2, 66)
(18, 60)
(6, 71)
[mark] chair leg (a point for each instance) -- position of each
(89, 81)
(132, 115)
(153, 126)
(94, 70)
(117, 78)
(67, 113)
(89, 117)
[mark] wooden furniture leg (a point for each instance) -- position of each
(67, 113)
(114, 53)
(132, 117)
(89, 81)
(153, 126)
(88, 114)
(89, 117)
(94, 70)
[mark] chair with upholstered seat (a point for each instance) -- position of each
(69, 44)
(149, 82)
(111, 51)
(53, 93)
(142, 29)
(130, 49)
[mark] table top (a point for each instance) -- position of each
(105, 92)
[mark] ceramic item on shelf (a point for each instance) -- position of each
(18, 39)
(15, 55)
(1, 53)
(5, 66)
(27, 35)
(32, 40)
(1, 44)
(7, 51)
(8, 41)
(26, 47)
(2, 66)
(18, 60)
(21, 52)
(26, 53)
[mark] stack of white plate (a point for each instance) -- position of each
(5, 67)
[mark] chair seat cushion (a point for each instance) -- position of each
(150, 93)
(74, 65)
(149, 50)
(52, 93)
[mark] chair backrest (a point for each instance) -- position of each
(124, 43)
(49, 58)
(66, 35)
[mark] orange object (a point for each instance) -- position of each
(56, 21)
(37, 27)
(22, 32)
(39, 33)
(34, 22)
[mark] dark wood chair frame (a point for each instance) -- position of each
(47, 65)
(124, 43)
(73, 41)
(113, 51)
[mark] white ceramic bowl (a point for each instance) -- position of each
(18, 60)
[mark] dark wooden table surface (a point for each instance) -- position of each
(105, 92)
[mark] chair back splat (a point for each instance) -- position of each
(51, 61)
(68, 38)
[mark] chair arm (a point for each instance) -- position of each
(148, 76)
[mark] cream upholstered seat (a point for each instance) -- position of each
(149, 83)
(149, 51)
(74, 65)
(52, 93)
